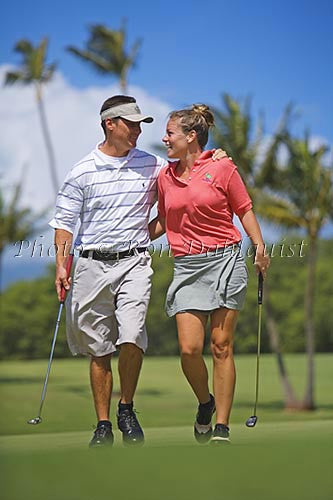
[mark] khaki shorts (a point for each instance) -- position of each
(107, 304)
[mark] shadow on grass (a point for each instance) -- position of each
(79, 390)
(278, 405)
(145, 392)
(151, 392)
(83, 390)
(21, 380)
(271, 405)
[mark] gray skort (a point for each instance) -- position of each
(208, 281)
(107, 304)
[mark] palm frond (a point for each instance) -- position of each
(39, 59)
(106, 51)
(17, 223)
(281, 211)
(33, 67)
(13, 77)
(132, 56)
(97, 61)
(23, 46)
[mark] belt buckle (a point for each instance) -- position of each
(103, 255)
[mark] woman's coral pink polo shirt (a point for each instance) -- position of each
(199, 210)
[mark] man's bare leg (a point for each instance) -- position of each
(101, 385)
(129, 366)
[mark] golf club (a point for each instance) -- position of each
(251, 421)
(38, 419)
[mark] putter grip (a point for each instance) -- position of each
(68, 272)
(260, 287)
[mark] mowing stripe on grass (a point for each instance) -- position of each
(172, 436)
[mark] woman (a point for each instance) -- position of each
(197, 201)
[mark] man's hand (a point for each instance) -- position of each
(63, 242)
(219, 154)
(62, 281)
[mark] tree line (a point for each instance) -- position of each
(29, 308)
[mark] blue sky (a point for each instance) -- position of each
(193, 51)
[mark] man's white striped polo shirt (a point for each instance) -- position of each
(112, 197)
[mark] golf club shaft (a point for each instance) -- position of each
(50, 358)
(62, 300)
(258, 356)
(260, 297)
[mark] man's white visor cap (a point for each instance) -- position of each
(130, 111)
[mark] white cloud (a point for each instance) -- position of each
(73, 117)
(315, 142)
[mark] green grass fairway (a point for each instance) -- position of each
(273, 461)
(286, 456)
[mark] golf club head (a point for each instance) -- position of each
(35, 421)
(251, 421)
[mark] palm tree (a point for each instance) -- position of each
(306, 186)
(233, 132)
(16, 223)
(34, 71)
(106, 51)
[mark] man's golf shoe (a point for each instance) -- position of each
(103, 435)
(129, 425)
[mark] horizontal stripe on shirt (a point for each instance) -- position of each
(116, 180)
(116, 207)
(114, 218)
(114, 229)
(101, 170)
(101, 204)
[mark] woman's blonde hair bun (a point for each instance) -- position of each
(204, 110)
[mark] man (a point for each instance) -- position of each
(112, 191)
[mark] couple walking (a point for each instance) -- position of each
(111, 192)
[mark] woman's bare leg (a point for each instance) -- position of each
(223, 322)
(191, 334)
